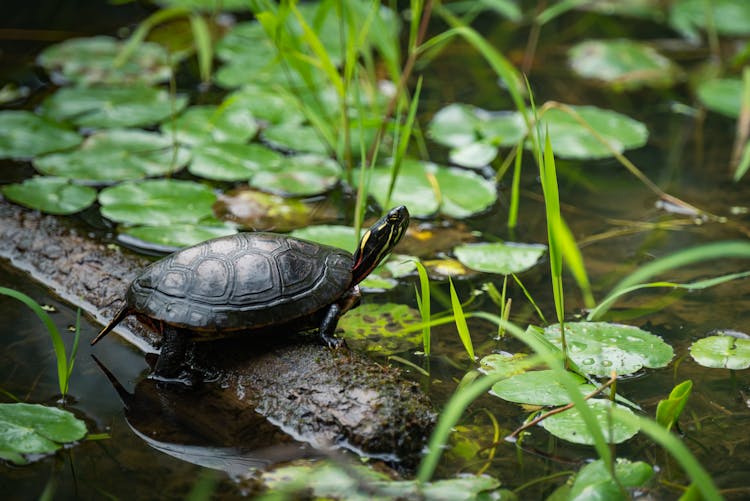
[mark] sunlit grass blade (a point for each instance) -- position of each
(515, 189)
(574, 259)
(530, 298)
(423, 303)
(203, 46)
(460, 318)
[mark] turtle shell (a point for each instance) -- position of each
(242, 282)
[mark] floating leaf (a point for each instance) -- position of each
(499, 257)
(160, 202)
(299, 175)
(232, 162)
(24, 135)
(505, 364)
(722, 95)
(52, 195)
(89, 61)
(569, 425)
(537, 388)
(328, 234)
(600, 347)
(271, 105)
(722, 352)
(103, 107)
(295, 137)
(178, 235)
(473, 155)
(116, 155)
(594, 481)
(212, 124)
(380, 328)
(622, 63)
(32, 429)
(728, 17)
(570, 139)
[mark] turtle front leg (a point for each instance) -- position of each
(170, 366)
(331, 318)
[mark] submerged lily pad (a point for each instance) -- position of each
(570, 139)
(600, 347)
(722, 95)
(104, 107)
(622, 63)
(89, 61)
(116, 155)
(160, 202)
(212, 124)
(231, 161)
(53, 195)
(722, 352)
(569, 425)
(32, 429)
(537, 388)
(299, 175)
(178, 235)
(499, 257)
(25, 135)
(380, 328)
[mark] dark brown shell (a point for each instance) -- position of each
(243, 281)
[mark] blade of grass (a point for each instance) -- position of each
(574, 259)
(529, 298)
(145, 26)
(515, 191)
(423, 302)
(203, 46)
(460, 318)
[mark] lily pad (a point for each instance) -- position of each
(299, 175)
(116, 155)
(499, 257)
(52, 195)
(25, 135)
(231, 161)
(212, 124)
(728, 17)
(107, 107)
(295, 137)
(380, 328)
(722, 95)
(329, 234)
(89, 61)
(600, 347)
(570, 139)
(594, 481)
(625, 64)
(266, 103)
(32, 429)
(569, 425)
(537, 388)
(473, 155)
(505, 364)
(160, 202)
(722, 352)
(178, 235)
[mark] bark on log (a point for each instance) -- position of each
(313, 393)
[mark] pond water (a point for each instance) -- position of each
(611, 214)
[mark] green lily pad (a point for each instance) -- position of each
(722, 95)
(505, 364)
(160, 202)
(473, 155)
(537, 388)
(232, 162)
(89, 61)
(290, 136)
(329, 234)
(625, 64)
(32, 429)
(569, 425)
(379, 328)
(116, 155)
(52, 195)
(594, 481)
(570, 139)
(463, 192)
(299, 175)
(499, 257)
(600, 347)
(272, 105)
(728, 17)
(25, 135)
(178, 235)
(722, 352)
(107, 107)
(212, 124)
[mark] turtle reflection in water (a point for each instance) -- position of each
(254, 282)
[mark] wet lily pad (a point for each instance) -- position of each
(537, 388)
(295, 137)
(32, 430)
(594, 481)
(212, 124)
(569, 425)
(178, 235)
(231, 161)
(25, 135)
(106, 107)
(89, 61)
(379, 328)
(160, 202)
(53, 195)
(600, 347)
(728, 17)
(499, 257)
(506, 364)
(116, 155)
(570, 139)
(722, 352)
(473, 155)
(299, 175)
(722, 95)
(624, 64)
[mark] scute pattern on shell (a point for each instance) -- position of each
(243, 281)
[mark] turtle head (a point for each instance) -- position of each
(378, 241)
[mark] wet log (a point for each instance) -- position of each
(321, 396)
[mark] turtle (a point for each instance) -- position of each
(253, 282)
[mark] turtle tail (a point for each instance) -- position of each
(124, 312)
